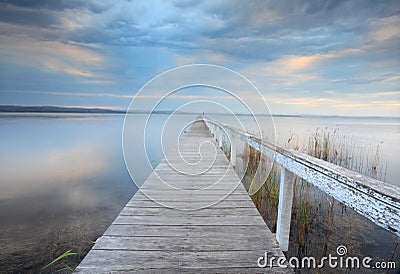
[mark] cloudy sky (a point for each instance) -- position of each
(315, 57)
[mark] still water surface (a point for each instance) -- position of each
(63, 178)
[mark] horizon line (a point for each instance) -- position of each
(108, 110)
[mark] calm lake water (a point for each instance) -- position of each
(63, 177)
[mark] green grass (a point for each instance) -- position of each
(61, 264)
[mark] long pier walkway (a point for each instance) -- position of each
(191, 215)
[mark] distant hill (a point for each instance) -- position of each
(53, 109)
(50, 109)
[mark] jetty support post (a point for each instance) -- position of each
(220, 136)
(233, 149)
(284, 209)
(217, 131)
(212, 129)
(216, 136)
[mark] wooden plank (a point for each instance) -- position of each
(192, 198)
(206, 192)
(120, 260)
(185, 219)
(158, 243)
(241, 211)
(188, 231)
(193, 205)
(150, 235)
(233, 270)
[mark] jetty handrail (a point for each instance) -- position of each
(376, 200)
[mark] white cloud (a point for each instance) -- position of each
(72, 59)
(385, 28)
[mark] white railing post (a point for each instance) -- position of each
(220, 135)
(284, 209)
(215, 131)
(233, 149)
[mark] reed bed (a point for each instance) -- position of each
(320, 223)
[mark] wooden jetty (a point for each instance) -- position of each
(191, 215)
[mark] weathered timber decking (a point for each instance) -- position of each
(164, 229)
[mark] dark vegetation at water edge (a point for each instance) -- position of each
(37, 246)
(52, 109)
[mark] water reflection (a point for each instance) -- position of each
(56, 168)
(63, 181)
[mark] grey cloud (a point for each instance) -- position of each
(46, 13)
(245, 29)
(57, 5)
(262, 29)
(22, 16)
